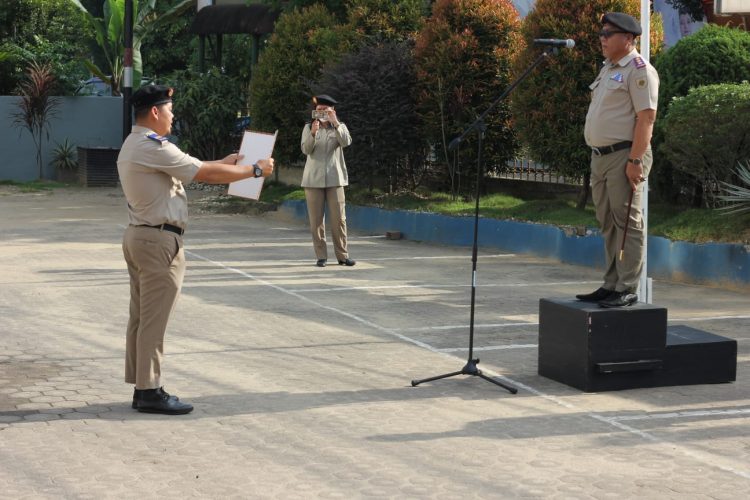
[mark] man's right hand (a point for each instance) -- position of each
(314, 127)
(267, 166)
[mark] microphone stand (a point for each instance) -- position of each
(479, 125)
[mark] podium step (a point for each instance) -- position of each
(697, 357)
(595, 349)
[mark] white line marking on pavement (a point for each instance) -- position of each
(707, 459)
(683, 414)
(431, 257)
(491, 285)
(459, 327)
(490, 348)
(711, 318)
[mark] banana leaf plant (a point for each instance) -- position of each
(110, 35)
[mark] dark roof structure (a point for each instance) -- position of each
(254, 19)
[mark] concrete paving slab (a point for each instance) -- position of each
(301, 376)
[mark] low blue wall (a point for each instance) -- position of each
(712, 263)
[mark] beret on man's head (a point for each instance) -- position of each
(623, 21)
(324, 99)
(151, 95)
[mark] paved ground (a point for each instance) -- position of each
(300, 375)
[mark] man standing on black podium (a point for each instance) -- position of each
(618, 129)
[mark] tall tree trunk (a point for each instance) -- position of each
(583, 194)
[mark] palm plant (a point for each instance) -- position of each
(110, 35)
(37, 105)
(737, 196)
(64, 156)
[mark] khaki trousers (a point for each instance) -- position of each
(610, 191)
(156, 265)
(317, 198)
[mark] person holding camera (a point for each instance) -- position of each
(324, 178)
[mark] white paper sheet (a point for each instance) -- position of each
(255, 146)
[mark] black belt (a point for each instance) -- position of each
(167, 227)
(605, 150)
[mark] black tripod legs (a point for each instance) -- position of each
(469, 369)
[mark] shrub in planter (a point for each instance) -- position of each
(707, 132)
(714, 54)
(65, 161)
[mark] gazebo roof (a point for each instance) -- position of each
(255, 19)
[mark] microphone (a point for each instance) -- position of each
(554, 42)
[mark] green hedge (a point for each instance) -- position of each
(707, 132)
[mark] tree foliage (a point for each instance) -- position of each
(463, 63)
(304, 42)
(550, 106)
(714, 54)
(707, 132)
(205, 108)
(109, 31)
(380, 20)
(379, 110)
(46, 31)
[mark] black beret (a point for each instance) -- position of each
(623, 21)
(325, 100)
(151, 95)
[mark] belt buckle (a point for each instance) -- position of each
(596, 151)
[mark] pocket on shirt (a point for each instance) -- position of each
(614, 85)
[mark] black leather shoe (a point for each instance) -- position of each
(321, 263)
(347, 262)
(136, 395)
(619, 299)
(159, 401)
(595, 296)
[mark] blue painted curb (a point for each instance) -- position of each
(710, 263)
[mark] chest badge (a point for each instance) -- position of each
(617, 77)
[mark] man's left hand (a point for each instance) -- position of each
(634, 174)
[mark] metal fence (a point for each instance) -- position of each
(525, 169)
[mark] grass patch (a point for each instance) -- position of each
(698, 225)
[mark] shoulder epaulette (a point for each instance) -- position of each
(639, 62)
(156, 137)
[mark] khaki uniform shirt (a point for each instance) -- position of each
(152, 171)
(620, 91)
(325, 165)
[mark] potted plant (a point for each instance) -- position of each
(65, 161)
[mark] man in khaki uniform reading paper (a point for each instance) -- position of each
(152, 171)
(618, 129)
(324, 178)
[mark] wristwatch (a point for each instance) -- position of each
(257, 171)
(635, 161)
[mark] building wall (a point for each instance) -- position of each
(84, 121)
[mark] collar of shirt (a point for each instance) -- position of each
(624, 61)
(139, 129)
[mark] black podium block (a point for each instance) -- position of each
(697, 357)
(596, 349)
